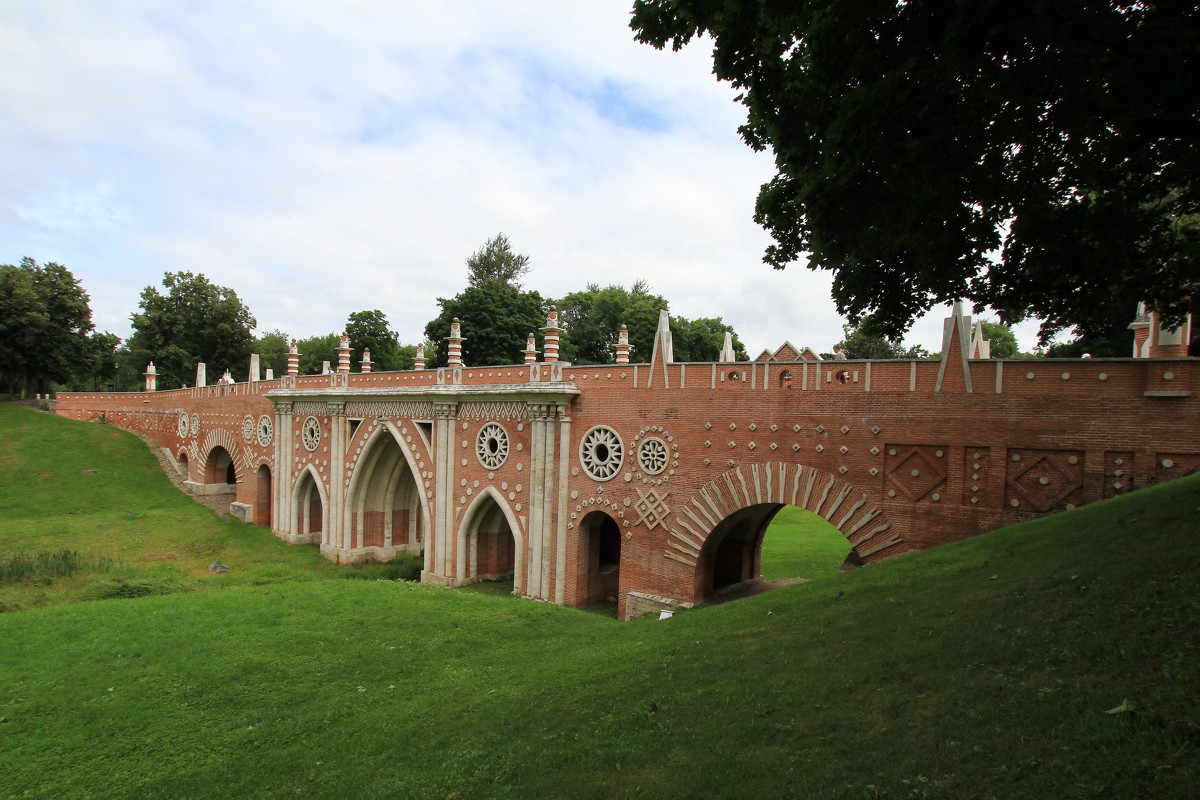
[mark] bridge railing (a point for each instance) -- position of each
(1128, 377)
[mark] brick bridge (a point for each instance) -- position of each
(655, 482)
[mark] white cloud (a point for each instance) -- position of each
(322, 158)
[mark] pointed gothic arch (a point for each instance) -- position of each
(310, 508)
(483, 541)
(718, 532)
(387, 507)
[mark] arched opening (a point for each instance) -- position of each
(491, 546)
(385, 506)
(220, 467)
(181, 463)
(765, 544)
(262, 497)
(310, 510)
(602, 540)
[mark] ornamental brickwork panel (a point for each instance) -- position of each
(916, 473)
(1044, 480)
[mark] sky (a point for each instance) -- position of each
(322, 158)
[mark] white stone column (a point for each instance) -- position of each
(338, 522)
(564, 466)
(442, 527)
(542, 471)
(284, 513)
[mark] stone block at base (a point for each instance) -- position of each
(639, 604)
(437, 580)
(243, 511)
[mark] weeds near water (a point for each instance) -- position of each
(44, 566)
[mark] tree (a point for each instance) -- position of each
(864, 339)
(369, 330)
(97, 369)
(272, 348)
(701, 339)
(45, 320)
(1040, 158)
(592, 320)
(1003, 340)
(495, 319)
(194, 321)
(1107, 336)
(316, 350)
(496, 261)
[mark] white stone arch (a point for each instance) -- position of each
(848, 508)
(306, 478)
(363, 471)
(469, 527)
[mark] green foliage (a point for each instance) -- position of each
(45, 322)
(914, 141)
(404, 567)
(1003, 340)
(99, 491)
(316, 350)
(194, 321)
(863, 339)
(122, 589)
(592, 320)
(496, 262)
(701, 339)
(97, 369)
(369, 330)
(496, 319)
(48, 564)
(272, 348)
(1106, 336)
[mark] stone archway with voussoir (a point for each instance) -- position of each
(848, 508)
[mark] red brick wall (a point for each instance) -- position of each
(1032, 437)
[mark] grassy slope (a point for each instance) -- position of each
(981, 669)
(801, 544)
(99, 490)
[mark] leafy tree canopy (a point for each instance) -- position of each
(496, 261)
(316, 350)
(1003, 340)
(592, 320)
(45, 322)
(97, 369)
(495, 317)
(1107, 336)
(369, 330)
(1041, 158)
(193, 321)
(272, 348)
(701, 339)
(865, 339)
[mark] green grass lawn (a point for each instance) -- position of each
(98, 491)
(800, 544)
(1056, 659)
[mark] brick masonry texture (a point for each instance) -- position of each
(660, 479)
